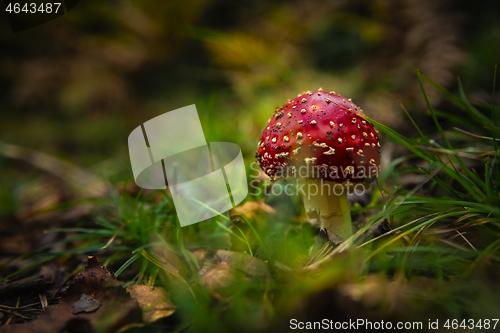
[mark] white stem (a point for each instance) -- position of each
(330, 210)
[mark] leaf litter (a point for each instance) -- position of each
(95, 299)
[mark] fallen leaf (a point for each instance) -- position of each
(85, 304)
(218, 277)
(226, 266)
(251, 209)
(78, 305)
(154, 302)
(243, 262)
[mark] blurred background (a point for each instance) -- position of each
(75, 87)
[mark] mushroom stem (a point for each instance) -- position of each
(332, 211)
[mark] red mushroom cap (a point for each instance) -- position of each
(320, 135)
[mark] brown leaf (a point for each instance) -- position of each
(78, 305)
(153, 301)
(251, 209)
(85, 304)
(218, 277)
(97, 282)
(243, 262)
(227, 266)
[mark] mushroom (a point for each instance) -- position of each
(323, 140)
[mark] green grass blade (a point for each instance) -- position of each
(126, 264)
(431, 109)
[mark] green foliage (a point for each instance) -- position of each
(455, 211)
(445, 229)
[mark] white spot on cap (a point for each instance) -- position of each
(299, 135)
(353, 136)
(286, 139)
(360, 152)
(273, 140)
(349, 149)
(280, 155)
(328, 100)
(310, 159)
(301, 121)
(330, 152)
(296, 151)
(304, 100)
(289, 115)
(340, 140)
(313, 122)
(303, 111)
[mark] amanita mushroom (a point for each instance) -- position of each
(322, 139)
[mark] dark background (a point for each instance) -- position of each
(76, 86)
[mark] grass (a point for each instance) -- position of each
(441, 248)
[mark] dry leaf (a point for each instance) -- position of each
(251, 209)
(218, 277)
(218, 273)
(243, 262)
(78, 305)
(85, 304)
(154, 302)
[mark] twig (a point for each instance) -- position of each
(12, 313)
(115, 234)
(43, 300)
